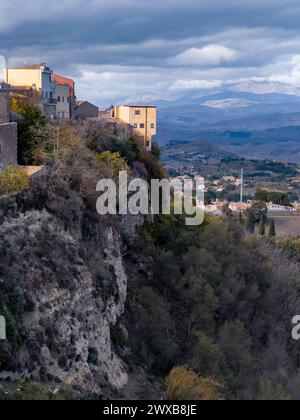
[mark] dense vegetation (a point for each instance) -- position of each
(218, 302)
(277, 167)
(275, 197)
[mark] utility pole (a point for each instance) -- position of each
(242, 185)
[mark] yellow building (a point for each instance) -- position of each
(143, 120)
(37, 78)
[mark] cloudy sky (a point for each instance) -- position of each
(122, 49)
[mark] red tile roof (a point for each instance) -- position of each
(61, 80)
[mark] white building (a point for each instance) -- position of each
(63, 102)
(279, 208)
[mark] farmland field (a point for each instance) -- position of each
(287, 225)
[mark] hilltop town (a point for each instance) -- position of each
(55, 97)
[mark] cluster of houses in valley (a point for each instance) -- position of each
(55, 96)
(220, 207)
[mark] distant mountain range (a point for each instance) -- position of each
(259, 120)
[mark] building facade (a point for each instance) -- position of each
(36, 78)
(143, 120)
(61, 82)
(63, 102)
(8, 130)
(85, 109)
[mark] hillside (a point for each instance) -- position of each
(105, 307)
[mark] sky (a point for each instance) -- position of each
(121, 50)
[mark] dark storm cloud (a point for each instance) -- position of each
(189, 40)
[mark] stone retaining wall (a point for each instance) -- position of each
(8, 145)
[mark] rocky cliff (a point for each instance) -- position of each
(62, 290)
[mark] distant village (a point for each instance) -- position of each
(220, 207)
(55, 96)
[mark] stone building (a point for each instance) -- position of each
(85, 109)
(8, 130)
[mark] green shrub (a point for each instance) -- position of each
(13, 180)
(114, 161)
(184, 384)
(118, 335)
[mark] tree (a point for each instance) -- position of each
(270, 392)
(156, 150)
(250, 223)
(262, 225)
(241, 221)
(237, 364)
(114, 161)
(153, 341)
(272, 230)
(206, 354)
(184, 384)
(259, 209)
(32, 130)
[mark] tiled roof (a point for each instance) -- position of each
(62, 80)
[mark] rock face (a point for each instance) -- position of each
(61, 297)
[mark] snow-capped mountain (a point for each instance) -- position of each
(237, 117)
(262, 88)
(228, 103)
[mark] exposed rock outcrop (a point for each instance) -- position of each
(61, 296)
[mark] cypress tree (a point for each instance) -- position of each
(241, 221)
(262, 226)
(272, 230)
(250, 221)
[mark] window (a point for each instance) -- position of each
(152, 125)
(135, 125)
(63, 99)
(137, 112)
(142, 126)
(58, 99)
